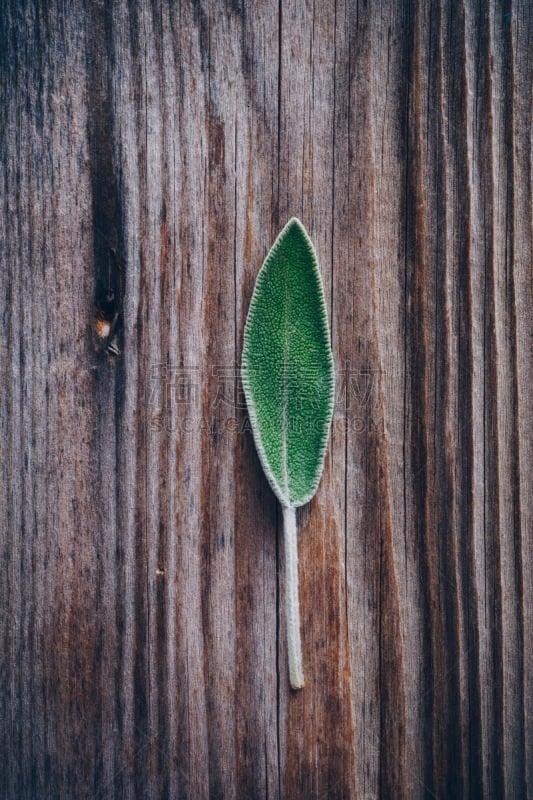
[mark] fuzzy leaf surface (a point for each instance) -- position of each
(287, 367)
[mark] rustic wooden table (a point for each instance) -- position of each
(150, 152)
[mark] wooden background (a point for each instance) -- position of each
(157, 148)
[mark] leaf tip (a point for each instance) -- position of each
(295, 223)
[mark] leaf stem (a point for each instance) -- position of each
(296, 674)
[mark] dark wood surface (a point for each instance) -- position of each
(155, 149)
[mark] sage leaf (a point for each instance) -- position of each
(288, 381)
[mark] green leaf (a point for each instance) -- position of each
(287, 374)
(287, 367)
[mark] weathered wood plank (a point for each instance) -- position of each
(155, 150)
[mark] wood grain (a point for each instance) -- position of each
(155, 149)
